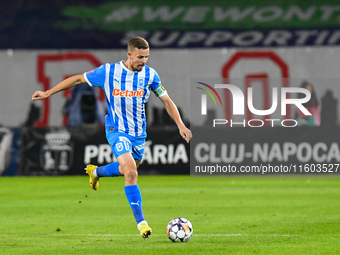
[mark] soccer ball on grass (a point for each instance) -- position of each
(179, 230)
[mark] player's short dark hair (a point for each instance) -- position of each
(137, 42)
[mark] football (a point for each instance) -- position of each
(179, 230)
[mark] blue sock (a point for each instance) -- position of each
(135, 200)
(110, 170)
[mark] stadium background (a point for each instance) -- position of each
(42, 43)
(46, 204)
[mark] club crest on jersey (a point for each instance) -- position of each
(127, 93)
(141, 83)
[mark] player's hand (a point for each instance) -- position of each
(185, 133)
(39, 95)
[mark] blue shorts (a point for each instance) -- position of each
(122, 143)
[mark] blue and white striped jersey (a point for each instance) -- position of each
(126, 93)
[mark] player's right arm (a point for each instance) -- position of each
(65, 84)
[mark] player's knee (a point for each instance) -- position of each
(131, 176)
(129, 170)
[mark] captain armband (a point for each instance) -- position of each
(160, 91)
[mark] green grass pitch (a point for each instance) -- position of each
(63, 215)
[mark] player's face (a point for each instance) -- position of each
(138, 59)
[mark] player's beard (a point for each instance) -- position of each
(138, 68)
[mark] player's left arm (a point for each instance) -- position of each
(172, 110)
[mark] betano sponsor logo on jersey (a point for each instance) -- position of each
(127, 93)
